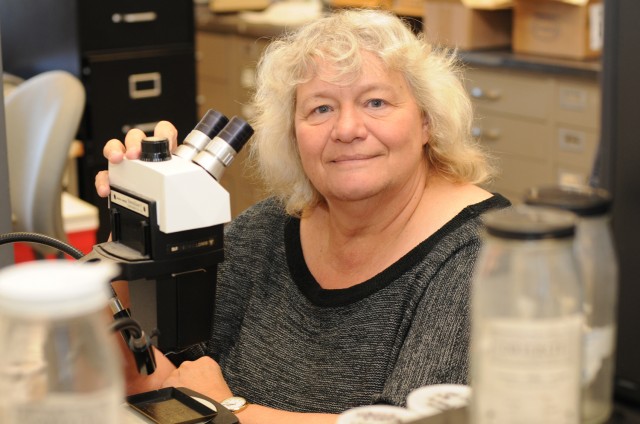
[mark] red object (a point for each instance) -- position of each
(82, 240)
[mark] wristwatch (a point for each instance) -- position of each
(235, 404)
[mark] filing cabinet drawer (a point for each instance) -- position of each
(518, 137)
(577, 102)
(523, 95)
(215, 95)
(212, 55)
(126, 24)
(138, 90)
(576, 147)
(248, 51)
(519, 173)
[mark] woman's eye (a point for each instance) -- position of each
(322, 109)
(376, 103)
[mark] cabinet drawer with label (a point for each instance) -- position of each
(577, 103)
(139, 89)
(127, 24)
(518, 137)
(527, 96)
(576, 146)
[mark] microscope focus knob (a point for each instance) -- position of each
(155, 149)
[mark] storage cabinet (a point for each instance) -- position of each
(226, 66)
(541, 128)
(539, 118)
(136, 59)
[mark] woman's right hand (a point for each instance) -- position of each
(115, 151)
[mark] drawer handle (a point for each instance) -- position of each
(572, 140)
(146, 127)
(133, 18)
(479, 93)
(145, 85)
(491, 135)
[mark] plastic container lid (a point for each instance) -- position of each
(377, 414)
(581, 200)
(55, 288)
(523, 222)
(437, 398)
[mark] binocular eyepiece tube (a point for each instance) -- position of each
(210, 125)
(224, 147)
(212, 144)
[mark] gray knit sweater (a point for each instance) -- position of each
(284, 342)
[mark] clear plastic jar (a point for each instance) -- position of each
(599, 277)
(58, 362)
(526, 320)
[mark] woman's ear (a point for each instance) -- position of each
(425, 130)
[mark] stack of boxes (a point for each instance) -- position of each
(565, 28)
(571, 29)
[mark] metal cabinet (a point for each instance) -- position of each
(136, 59)
(541, 128)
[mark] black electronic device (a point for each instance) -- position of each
(167, 216)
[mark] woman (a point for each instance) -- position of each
(350, 285)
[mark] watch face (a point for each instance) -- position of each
(234, 403)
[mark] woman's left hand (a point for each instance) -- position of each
(202, 375)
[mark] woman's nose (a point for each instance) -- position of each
(349, 125)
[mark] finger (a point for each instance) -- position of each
(166, 130)
(102, 183)
(113, 151)
(132, 142)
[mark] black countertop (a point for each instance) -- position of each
(506, 59)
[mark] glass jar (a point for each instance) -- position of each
(59, 363)
(526, 320)
(599, 277)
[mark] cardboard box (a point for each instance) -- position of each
(376, 4)
(561, 28)
(451, 23)
(408, 7)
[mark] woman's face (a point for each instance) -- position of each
(362, 139)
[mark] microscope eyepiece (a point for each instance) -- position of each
(210, 125)
(155, 149)
(221, 151)
(236, 133)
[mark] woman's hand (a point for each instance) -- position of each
(114, 151)
(202, 375)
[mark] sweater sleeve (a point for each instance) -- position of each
(248, 239)
(436, 347)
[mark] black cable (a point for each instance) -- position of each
(47, 241)
(138, 342)
(128, 324)
(41, 239)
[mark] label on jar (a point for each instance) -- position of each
(528, 371)
(598, 346)
(97, 408)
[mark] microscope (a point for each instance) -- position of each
(167, 215)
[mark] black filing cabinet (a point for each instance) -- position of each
(136, 59)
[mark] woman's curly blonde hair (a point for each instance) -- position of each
(434, 75)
